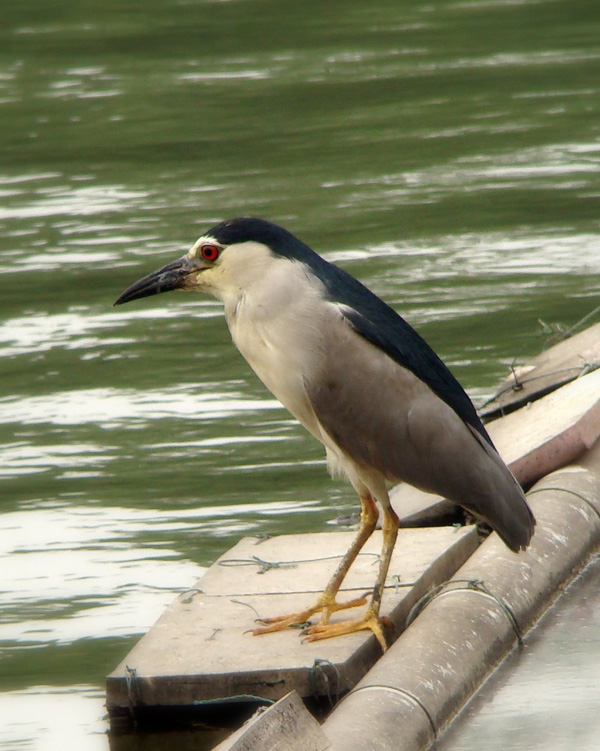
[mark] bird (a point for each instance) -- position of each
(361, 380)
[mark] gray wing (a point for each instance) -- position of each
(380, 324)
(383, 417)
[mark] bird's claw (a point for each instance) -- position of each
(326, 605)
(370, 621)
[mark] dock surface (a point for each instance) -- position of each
(200, 649)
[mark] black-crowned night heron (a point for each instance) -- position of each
(358, 378)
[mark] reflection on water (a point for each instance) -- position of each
(55, 717)
(442, 153)
(109, 408)
(553, 167)
(80, 329)
(77, 572)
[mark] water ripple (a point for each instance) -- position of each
(40, 332)
(112, 408)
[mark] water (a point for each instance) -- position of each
(448, 154)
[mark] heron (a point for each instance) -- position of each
(361, 380)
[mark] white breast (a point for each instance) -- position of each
(275, 323)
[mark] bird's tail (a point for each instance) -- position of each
(503, 505)
(513, 520)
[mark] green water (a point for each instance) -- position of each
(446, 153)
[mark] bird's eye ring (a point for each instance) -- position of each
(210, 252)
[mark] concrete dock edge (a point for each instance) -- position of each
(465, 630)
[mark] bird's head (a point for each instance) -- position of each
(230, 256)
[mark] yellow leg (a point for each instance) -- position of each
(371, 619)
(326, 603)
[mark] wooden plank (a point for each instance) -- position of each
(558, 365)
(533, 441)
(552, 431)
(201, 649)
(285, 726)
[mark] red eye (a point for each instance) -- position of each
(210, 252)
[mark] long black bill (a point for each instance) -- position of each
(172, 276)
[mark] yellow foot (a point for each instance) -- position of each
(278, 623)
(369, 621)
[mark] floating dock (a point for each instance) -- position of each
(201, 648)
(467, 604)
